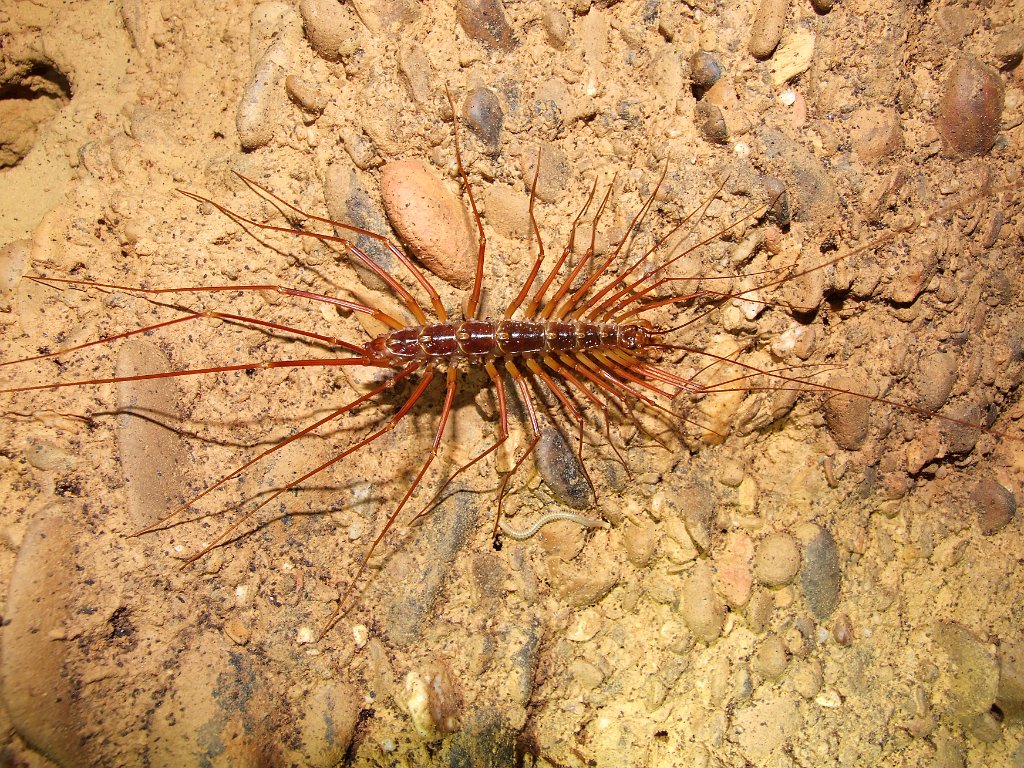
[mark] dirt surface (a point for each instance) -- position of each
(786, 581)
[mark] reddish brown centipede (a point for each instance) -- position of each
(578, 337)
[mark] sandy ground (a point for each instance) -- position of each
(792, 581)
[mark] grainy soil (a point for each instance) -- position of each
(787, 579)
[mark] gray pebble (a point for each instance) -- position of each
(776, 559)
(554, 170)
(971, 107)
(705, 70)
(821, 576)
(562, 471)
(482, 113)
(995, 505)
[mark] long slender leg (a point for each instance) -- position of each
(352, 306)
(499, 387)
(400, 290)
(406, 407)
(391, 381)
(442, 422)
(397, 252)
(473, 305)
(528, 283)
(531, 413)
(260, 365)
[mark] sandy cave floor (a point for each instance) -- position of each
(797, 581)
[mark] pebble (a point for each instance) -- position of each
(934, 377)
(847, 417)
(1010, 694)
(875, 133)
(974, 679)
(733, 574)
(329, 27)
(762, 729)
(583, 587)
(430, 220)
(261, 106)
(387, 16)
(776, 559)
(1009, 46)
(306, 94)
(710, 122)
(43, 699)
(822, 6)
(971, 107)
(767, 25)
(793, 57)
(440, 538)
(153, 458)
(641, 543)
(842, 630)
(556, 27)
(218, 700)
(414, 66)
(507, 211)
(808, 181)
(915, 273)
(821, 575)
(560, 467)
(554, 170)
(700, 607)
(482, 113)
(705, 70)
(770, 658)
(759, 611)
(996, 505)
(485, 22)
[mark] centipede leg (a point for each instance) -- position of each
(446, 409)
(499, 388)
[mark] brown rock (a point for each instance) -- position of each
(971, 107)
(431, 220)
(875, 133)
(485, 22)
(995, 505)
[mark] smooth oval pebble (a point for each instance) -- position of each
(971, 107)
(263, 100)
(700, 607)
(776, 559)
(41, 694)
(770, 658)
(153, 457)
(767, 25)
(875, 133)
(847, 417)
(328, 27)
(934, 377)
(710, 122)
(562, 471)
(430, 220)
(705, 70)
(995, 504)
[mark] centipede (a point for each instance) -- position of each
(582, 339)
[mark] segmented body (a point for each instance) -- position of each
(478, 341)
